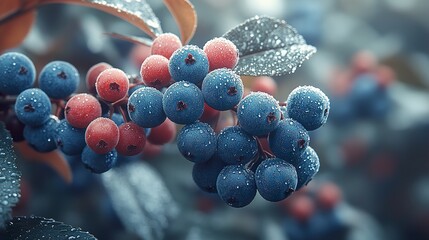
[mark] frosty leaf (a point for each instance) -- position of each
(132, 39)
(268, 46)
(141, 199)
(9, 176)
(42, 228)
(186, 17)
(136, 12)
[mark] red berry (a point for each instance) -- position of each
(162, 134)
(92, 75)
(151, 150)
(139, 53)
(385, 75)
(363, 62)
(112, 84)
(102, 135)
(222, 53)
(210, 114)
(154, 72)
(328, 195)
(132, 139)
(81, 110)
(264, 84)
(165, 44)
(301, 207)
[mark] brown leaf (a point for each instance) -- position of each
(9, 7)
(53, 159)
(186, 17)
(136, 12)
(13, 30)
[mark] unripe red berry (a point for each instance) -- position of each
(154, 72)
(165, 44)
(222, 53)
(81, 110)
(112, 84)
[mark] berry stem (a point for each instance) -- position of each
(259, 157)
(123, 113)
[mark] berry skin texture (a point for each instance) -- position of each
(59, 79)
(289, 140)
(309, 106)
(197, 142)
(81, 110)
(235, 146)
(222, 89)
(70, 140)
(98, 163)
(132, 139)
(154, 71)
(276, 179)
(102, 135)
(17, 73)
(33, 107)
(222, 53)
(258, 113)
(145, 107)
(205, 174)
(236, 185)
(189, 63)
(183, 102)
(42, 138)
(112, 84)
(162, 134)
(307, 165)
(92, 75)
(165, 44)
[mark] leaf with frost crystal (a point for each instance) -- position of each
(42, 228)
(9, 176)
(141, 199)
(268, 47)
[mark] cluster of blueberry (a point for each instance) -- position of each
(182, 85)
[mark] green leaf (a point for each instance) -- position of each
(9, 176)
(42, 228)
(268, 47)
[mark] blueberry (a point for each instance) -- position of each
(133, 89)
(70, 140)
(145, 107)
(309, 106)
(42, 138)
(183, 102)
(17, 73)
(205, 174)
(276, 179)
(289, 140)
(222, 89)
(197, 142)
(33, 107)
(98, 163)
(59, 79)
(235, 146)
(307, 165)
(189, 63)
(258, 113)
(236, 185)
(364, 90)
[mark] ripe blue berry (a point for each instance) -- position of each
(258, 113)
(33, 107)
(59, 79)
(197, 142)
(236, 185)
(98, 163)
(41, 138)
(276, 179)
(205, 174)
(307, 165)
(183, 102)
(70, 140)
(189, 63)
(289, 140)
(235, 146)
(17, 73)
(222, 89)
(145, 107)
(309, 106)
(364, 92)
